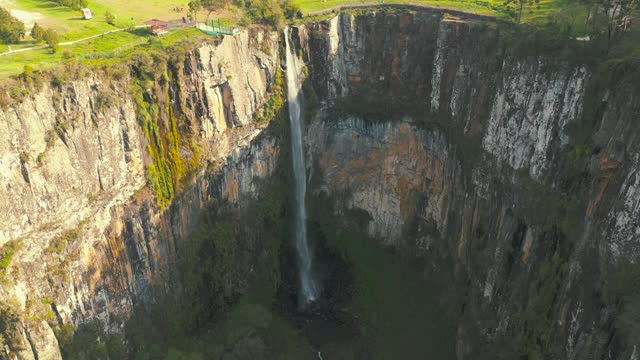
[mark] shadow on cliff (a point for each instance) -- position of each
(375, 305)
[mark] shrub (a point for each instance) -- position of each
(110, 18)
(27, 70)
(6, 253)
(59, 243)
(5, 258)
(275, 104)
(10, 327)
(61, 128)
(40, 159)
(31, 78)
(105, 99)
(24, 157)
(50, 138)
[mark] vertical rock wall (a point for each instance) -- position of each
(90, 238)
(478, 177)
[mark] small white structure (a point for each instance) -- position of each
(86, 13)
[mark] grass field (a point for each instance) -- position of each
(68, 23)
(70, 26)
(42, 58)
(103, 47)
(544, 9)
(479, 7)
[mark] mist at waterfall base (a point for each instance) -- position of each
(309, 289)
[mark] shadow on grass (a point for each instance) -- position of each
(140, 32)
(51, 6)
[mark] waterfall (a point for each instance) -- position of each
(294, 97)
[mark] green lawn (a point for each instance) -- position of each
(479, 7)
(39, 59)
(541, 12)
(67, 22)
(70, 25)
(110, 45)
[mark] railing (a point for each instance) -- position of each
(216, 29)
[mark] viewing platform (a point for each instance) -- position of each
(214, 28)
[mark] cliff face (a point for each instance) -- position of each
(90, 240)
(514, 178)
(514, 175)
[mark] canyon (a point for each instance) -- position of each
(500, 183)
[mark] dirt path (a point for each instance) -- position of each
(66, 43)
(23, 50)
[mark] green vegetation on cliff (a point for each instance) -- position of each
(622, 293)
(10, 328)
(229, 271)
(226, 275)
(155, 75)
(90, 341)
(274, 106)
(6, 254)
(542, 295)
(401, 314)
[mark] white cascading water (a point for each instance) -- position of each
(305, 255)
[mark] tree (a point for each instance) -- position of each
(291, 10)
(212, 5)
(267, 12)
(11, 29)
(194, 7)
(52, 39)
(616, 15)
(520, 4)
(37, 32)
(273, 12)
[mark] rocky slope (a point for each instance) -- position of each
(514, 175)
(90, 239)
